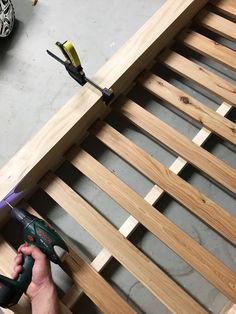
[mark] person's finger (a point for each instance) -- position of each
(18, 259)
(34, 252)
(17, 271)
(16, 266)
(21, 246)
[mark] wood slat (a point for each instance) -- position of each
(69, 125)
(228, 7)
(128, 227)
(190, 106)
(93, 285)
(217, 24)
(101, 293)
(182, 244)
(175, 141)
(178, 188)
(229, 308)
(200, 75)
(125, 252)
(99, 262)
(209, 48)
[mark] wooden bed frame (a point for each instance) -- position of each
(35, 164)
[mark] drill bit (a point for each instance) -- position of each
(8, 204)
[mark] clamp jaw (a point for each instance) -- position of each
(75, 70)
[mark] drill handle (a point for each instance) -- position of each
(25, 276)
(11, 290)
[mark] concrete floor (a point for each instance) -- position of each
(33, 87)
(41, 85)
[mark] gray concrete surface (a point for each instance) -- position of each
(33, 87)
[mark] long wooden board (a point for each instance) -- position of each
(69, 125)
(182, 191)
(126, 253)
(228, 7)
(190, 106)
(128, 227)
(180, 144)
(199, 75)
(155, 222)
(218, 24)
(73, 122)
(93, 285)
(209, 48)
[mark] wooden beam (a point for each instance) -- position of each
(228, 7)
(25, 169)
(103, 295)
(128, 227)
(183, 245)
(175, 186)
(84, 275)
(199, 75)
(217, 24)
(209, 48)
(156, 192)
(190, 106)
(178, 143)
(125, 252)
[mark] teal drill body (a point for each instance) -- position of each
(36, 232)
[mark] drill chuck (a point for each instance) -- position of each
(23, 217)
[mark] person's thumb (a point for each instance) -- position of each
(34, 252)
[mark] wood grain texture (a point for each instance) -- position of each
(103, 295)
(178, 188)
(156, 192)
(69, 125)
(190, 106)
(200, 75)
(228, 7)
(99, 262)
(178, 143)
(217, 24)
(183, 245)
(130, 225)
(92, 284)
(209, 48)
(125, 252)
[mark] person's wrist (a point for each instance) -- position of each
(46, 300)
(44, 290)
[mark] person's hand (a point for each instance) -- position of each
(41, 272)
(41, 290)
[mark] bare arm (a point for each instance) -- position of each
(41, 290)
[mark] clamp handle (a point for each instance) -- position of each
(70, 53)
(75, 70)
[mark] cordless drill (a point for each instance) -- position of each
(35, 232)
